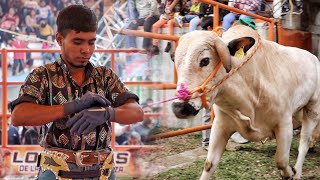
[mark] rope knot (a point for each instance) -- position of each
(183, 93)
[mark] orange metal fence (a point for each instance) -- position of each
(217, 6)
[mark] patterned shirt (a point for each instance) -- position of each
(247, 5)
(53, 84)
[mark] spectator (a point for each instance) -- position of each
(132, 12)
(31, 20)
(8, 37)
(30, 135)
(43, 30)
(13, 134)
(134, 139)
(45, 12)
(206, 116)
(297, 6)
(193, 13)
(206, 15)
(122, 133)
(148, 15)
(171, 7)
(18, 57)
(48, 57)
(9, 19)
(1, 12)
(60, 4)
(248, 5)
(31, 5)
(146, 126)
(28, 6)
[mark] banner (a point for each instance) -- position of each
(22, 160)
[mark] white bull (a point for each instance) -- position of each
(260, 100)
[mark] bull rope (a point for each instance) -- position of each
(232, 72)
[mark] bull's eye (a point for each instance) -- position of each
(204, 62)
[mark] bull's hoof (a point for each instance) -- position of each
(291, 177)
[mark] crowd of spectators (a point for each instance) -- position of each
(24, 135)
(137, 134)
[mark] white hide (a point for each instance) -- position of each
(260, 99)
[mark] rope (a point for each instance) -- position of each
(233, 70)
(184, 94)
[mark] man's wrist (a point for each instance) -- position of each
(111, 113)
(69, 108)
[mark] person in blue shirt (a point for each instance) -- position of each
(13, 134)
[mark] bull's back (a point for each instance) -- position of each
(294, 72)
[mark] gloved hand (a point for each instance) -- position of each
(88, 119)
(88, 100)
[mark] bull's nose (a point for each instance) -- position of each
(183, 110)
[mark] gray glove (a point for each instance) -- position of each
(88, 119)
(86, 101)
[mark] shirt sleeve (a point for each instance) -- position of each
(33, 90)
(118, 92)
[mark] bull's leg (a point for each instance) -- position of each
(315, 135)
(220, 134)
(310, 120)
(284, 138)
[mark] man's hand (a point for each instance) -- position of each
(88, 119)
(86, 101)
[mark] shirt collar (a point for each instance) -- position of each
(90, 69)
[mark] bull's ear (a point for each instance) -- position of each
(245, 42)
(223, 53)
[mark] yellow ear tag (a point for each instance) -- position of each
(239, 53)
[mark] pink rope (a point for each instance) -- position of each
(182, 94)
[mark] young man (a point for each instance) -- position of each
(75, 103)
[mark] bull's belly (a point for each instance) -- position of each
(256, 135)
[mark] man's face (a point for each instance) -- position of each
(133, 141)
(76, 48)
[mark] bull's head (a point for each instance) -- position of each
(197, 55)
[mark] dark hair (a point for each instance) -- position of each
(78, 18)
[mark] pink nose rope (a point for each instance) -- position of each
(182, 94)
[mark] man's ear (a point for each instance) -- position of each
(245, 42)
(59, 38)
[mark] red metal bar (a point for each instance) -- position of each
(155, 85)
(97, 50)
(178, 132)
(149, 35)
(271, 31)
(113, 66)
(4, 98)
(113, 137)
(216, 16)
(214, 3)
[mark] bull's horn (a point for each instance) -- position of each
(223, 53)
